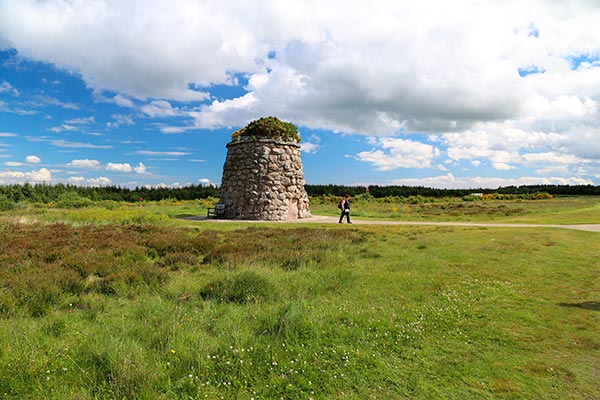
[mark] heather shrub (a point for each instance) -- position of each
(72, 200)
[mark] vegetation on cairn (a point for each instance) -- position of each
(271, 128)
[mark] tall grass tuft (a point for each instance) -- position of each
(289, 322)
(240, 288)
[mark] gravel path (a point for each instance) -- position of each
(322, 219)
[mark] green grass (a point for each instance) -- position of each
(116, 309)
(560, 210)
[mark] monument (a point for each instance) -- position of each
(262, 175)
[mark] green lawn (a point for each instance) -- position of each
(128, 304)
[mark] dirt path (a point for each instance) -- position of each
(322, 219)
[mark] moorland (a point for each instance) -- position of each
(113, 300)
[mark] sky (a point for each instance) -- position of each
(461, 94)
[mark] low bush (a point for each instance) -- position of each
(6, 203)
(269, 127)
(72, 200)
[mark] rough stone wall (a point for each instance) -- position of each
(263, 180)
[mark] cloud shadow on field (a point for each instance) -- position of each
(586, 305)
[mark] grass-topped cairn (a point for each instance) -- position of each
(268, 128)
(262, 175)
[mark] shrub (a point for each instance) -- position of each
(543, 196)
(269, 127)
(365, 197)
(73, 200)
(6, 203)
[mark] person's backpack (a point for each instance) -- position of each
(340, 205)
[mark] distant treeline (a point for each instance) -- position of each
(407, 191)
(45, 193)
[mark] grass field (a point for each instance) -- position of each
(560, 210)
(128, 302)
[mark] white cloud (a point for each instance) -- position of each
(81, 121)
(234, 112)
(400, 153)
(51, 101)
(449, 181)
(554, 170)
(6, 87)
(332, 60)
(164, 185)
(122, 101)
(76, 180)
(116, 167)
(8, 134)
(33, 159)
(308, 147)
(160, 109)
(126, 167)
(68, 144)
(379, 56)
(175, 129)
(141, 169)
(206, 182)
(41, 175)
(11, 174)
(82, 181)
(502, 166)
(514, 144)
(13, 164)
(120, 119)
(74, 124)
(161, 153)
(100, 181)
(84, 163)
(64, 128)
(550, 158)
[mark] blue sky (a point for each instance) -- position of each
(461, 95)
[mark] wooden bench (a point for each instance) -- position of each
(216, 212)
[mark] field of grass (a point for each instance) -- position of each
(560, 210)
(127, 302)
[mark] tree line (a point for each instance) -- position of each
(46, 193)
(407, 191)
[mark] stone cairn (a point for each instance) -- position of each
(262, 175)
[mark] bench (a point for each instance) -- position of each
(216, 212)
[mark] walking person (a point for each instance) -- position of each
(345, 207)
